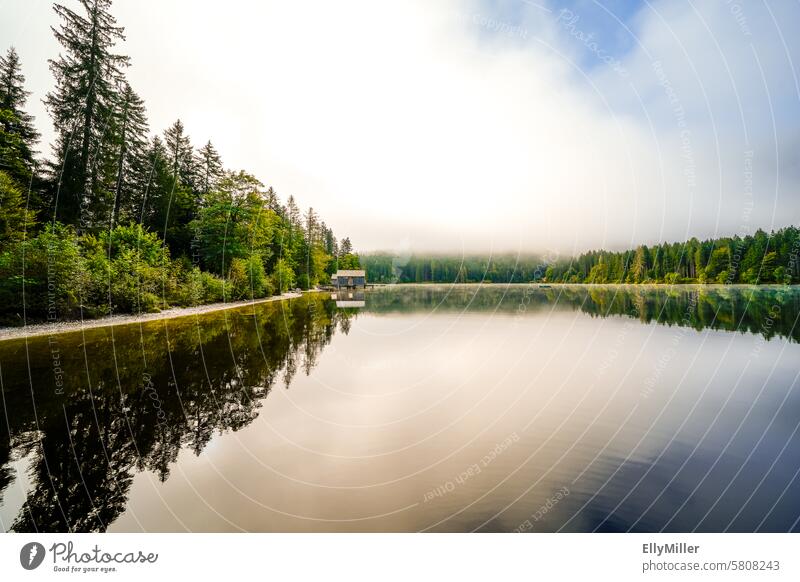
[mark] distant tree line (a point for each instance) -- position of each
(117, 219)
(387, 268)
(753, 259)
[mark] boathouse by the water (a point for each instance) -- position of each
(349, 279)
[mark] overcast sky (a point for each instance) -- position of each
(512, 125)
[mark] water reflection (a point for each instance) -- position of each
(766, 310)
(404, 407)
(349, 299)
(130, 398)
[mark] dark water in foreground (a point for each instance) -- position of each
(429, 408)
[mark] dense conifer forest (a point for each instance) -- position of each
(433, 268)
(753, 259)
(119, 218)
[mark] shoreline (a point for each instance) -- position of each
(40, 329)
(43, 329)
(634, 285)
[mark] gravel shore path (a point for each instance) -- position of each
(39, 329)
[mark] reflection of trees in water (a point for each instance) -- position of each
(6, 473)
(146, 402)
(85, 445)
(746, 309)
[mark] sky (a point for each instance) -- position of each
(476, 125)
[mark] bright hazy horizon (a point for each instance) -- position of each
(472, 126)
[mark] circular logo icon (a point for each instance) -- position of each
(31, 555)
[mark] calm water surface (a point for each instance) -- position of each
(446, 408)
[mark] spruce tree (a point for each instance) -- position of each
(210, 167)
(18, 136)
(328, 240)
(312, 225)
(151, 196)
(183, 202)
(293, 213)
(179, 153)
(87, 75)
(131, 141)
(16, 220)
(271, 199)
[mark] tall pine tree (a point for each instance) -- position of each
(149, 200)
(131, 140)
(179, 152)
(183, 202)
(210, 167)
(87, 76)
(18, 136)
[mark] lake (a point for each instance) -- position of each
(416, 408)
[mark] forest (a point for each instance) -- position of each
(435, 268)
(119, 219)
(752, 259)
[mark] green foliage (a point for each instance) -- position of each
(349, 261)
(718, 263)
(150, 223)
(210, 167)
(384, 268)
(247, 278)
(283, 277)
(237, 285)
(235, 222)
(760, 258)
(130, 152)
(768, 264)
(17, 133)
(83, 106)
(213, 288)
(130, 270)
(319, 260)
(303, 281)
(127, 269)
(196, 287)
(781, 276)
(13, 152)
(45, 275)
(15, 219)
